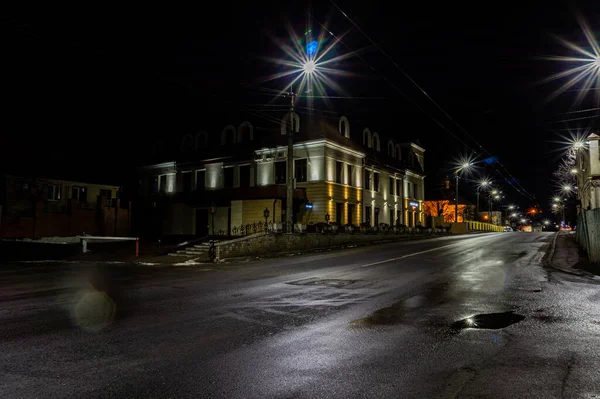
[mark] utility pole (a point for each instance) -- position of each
(456, 200)
(290, 169)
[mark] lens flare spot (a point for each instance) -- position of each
(94, 311)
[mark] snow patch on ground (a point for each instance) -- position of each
(190, 262)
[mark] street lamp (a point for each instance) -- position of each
(308, 68)
(482, 184)
(464, 166)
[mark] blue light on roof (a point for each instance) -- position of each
(311, 47)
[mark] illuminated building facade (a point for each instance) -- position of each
(352, 177)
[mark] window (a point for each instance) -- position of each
(200, 180)
(391, 186)
(367, 180)
(79, 194)
(415, 191)
(228, 177)
(376, 181)
(391, 217)
(300, 168)
(154, 184)
(245, 176)
(368, 214)
(350, 175)
(351, 213)
(187, 182)
(409, 191)
(398, 187)
(376, 216)
(54, 192)
(280, 168)
(339, 171)
(106, 193)
(162, 183)
(398, 216)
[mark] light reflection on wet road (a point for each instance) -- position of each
(375, 321)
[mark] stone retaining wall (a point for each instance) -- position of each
(264, 244)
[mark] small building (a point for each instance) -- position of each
(43, 207)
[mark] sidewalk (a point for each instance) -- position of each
(567, 256)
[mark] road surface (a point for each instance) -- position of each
(387, 321)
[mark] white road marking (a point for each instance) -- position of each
(413, 254)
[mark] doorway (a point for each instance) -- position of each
(202, 222)
(351, 213)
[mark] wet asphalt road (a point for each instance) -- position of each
(368, 322)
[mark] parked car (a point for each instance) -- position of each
(507, 228)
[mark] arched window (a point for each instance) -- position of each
(344, 127)
(391, 149)
(228, 135)
(285, 123)
(187, 143)
(245, 132)
(376, 141)
(367, 140)
(398, 152)
(201, 140)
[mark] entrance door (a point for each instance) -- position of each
(339, 213)
(202, 222)
(351, 213)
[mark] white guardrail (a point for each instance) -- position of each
(85, 239)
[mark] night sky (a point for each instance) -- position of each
(96, 87)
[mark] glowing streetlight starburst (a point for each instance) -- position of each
(585, 66)
(311, 67)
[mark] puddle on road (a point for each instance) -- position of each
(492, 321)
(381, 317)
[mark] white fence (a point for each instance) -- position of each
(588, 233)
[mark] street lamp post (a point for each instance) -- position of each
(289, 218)
(483, 183)
(266, 215)
(212, 250)
(465, 165)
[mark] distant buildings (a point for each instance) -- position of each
(343, 172)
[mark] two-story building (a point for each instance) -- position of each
(346, 176)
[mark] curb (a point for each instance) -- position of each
(547, 262)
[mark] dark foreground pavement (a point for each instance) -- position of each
(367, 322)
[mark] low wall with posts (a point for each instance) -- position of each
(588, 233)
(265, 243)
(480, 226)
